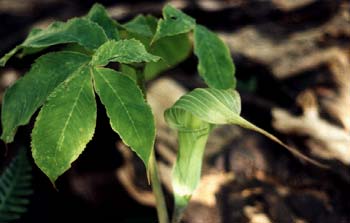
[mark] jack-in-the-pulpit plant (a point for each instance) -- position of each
(63, 86)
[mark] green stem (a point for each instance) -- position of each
(158, 192)
(153, 170)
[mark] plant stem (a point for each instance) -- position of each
(158, 192)
(162, 211)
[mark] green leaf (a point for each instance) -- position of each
(30, 50)
(215, 61)
(129, 114)
(175, 22)
(24, 97)
(141, 28)
(73, 31)
(74, 47)
(129, 71)
(65, 124)
(99, 15)
(82, 31)
(172, 49)
(122, 51)
(141, 25)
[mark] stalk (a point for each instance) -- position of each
(161, 207)
(162, 211)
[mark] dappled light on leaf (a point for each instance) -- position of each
(124, 103)
(73, 31)
(65, 124)
(24, 97)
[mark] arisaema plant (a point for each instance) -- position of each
(63, 86)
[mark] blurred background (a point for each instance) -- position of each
(292, 62)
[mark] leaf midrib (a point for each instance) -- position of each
(210, 53)
(62, 135)
(69, 24)
(123, 105)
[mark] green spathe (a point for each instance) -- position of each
(188, 166)
(203, 106)
(192, 137)
(211, 105)
(220, 107)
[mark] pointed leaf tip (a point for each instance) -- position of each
(72, 31)
(27, 94)
(130, 116)
(223, 107)
(174, 22)
(215, 62)
(99, 15)
(71, 111)
(122, 51)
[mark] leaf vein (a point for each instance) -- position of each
(123, 105)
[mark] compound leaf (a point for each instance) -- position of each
(24, 97)
(99, 15)
(175, 22)
(65, 124)
(78, 30)
(215, 62)
(122, 51)
(129, 114)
